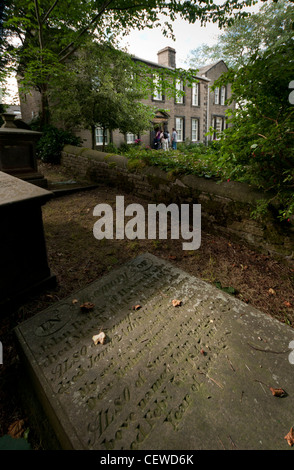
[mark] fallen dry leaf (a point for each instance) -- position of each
(172, 257)
(136, 307)
(16, 429)
(290, 437)
(86, 306)
(176, 303)
(271, 291)
(100, 338)
(278, 392)
(287, 304)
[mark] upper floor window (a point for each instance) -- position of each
(223, 95)
(195, 94)
(157, 83)
(220, 95)
(216, 95)
(179, 91)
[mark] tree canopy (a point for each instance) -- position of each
(38, 35)
(271, 26)
(258, 147)
(101, 87)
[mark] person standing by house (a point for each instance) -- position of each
(156, 143)
(168, 139)
(164, 140)
(174, 139)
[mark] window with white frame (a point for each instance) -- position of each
(216, 95)
(195, 130)
(99, 136)
(223, 95)
(195, 94)
(130, 138)
(179, 88)
(157, 83)
(180, 129)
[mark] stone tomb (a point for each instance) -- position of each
(18, 151)
(193, 376)
(23, 254)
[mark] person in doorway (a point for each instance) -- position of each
(156, 143)
(174, 139)
(164, 140)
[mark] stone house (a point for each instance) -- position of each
(216, 107)
(191, 115)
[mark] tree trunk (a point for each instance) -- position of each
(103, 146)
(44, 114)
(93, 136)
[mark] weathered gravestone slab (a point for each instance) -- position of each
(195, 376)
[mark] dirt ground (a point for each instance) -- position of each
(77, 258)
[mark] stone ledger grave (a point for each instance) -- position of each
(187, 377)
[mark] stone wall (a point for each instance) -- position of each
(226, 207)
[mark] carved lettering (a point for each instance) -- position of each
(146, 373)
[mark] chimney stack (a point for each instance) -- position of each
(167, 57)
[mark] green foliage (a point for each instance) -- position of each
(49, 32)
(51, 143)
(259, 146)
(229, 290)
(100, 88)
(189, 159)
(270, 26)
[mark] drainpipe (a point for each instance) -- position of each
(207, 112)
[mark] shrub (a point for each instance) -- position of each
(259, 146)
(51, 143)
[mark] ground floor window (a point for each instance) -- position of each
(180, 129)
(99, 136)
(195, 130)
(218, 123)
(131, 138)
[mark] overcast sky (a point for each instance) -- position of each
(145, 44)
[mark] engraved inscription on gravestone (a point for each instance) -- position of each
(142, 387)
